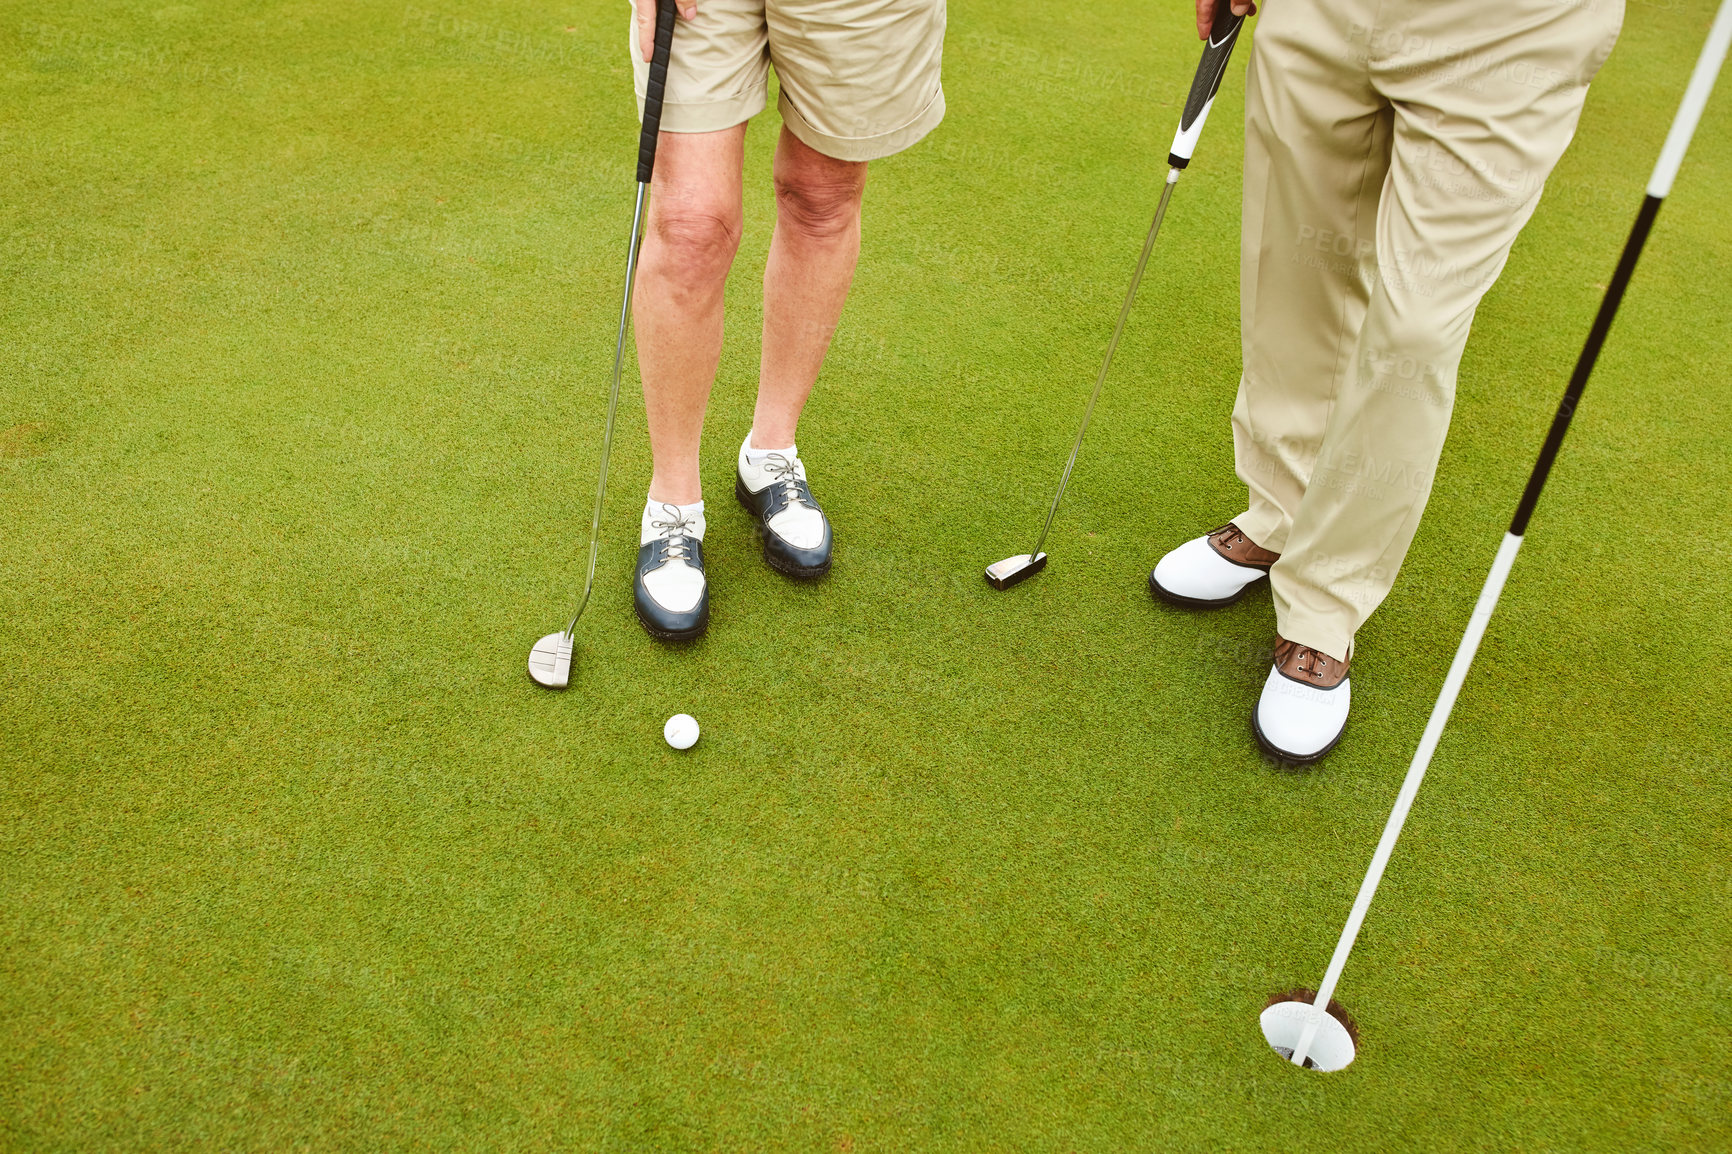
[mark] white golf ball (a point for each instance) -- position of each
(681, 731)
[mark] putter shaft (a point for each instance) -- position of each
(1112, 347)
(612, 401)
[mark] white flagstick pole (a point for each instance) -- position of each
(1665, 170)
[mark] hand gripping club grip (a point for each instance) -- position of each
(1223, 34)
(654, 90)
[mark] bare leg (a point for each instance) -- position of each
(812, 258)
(695, 221)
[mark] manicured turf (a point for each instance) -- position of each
(303, 348)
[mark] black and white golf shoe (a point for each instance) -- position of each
(773, 488)
(671, 593)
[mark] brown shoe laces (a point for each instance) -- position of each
(1234, 534)
(1231, 542)
(1307, 662)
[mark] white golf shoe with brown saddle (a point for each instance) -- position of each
(1212, 570)
(1303, 709)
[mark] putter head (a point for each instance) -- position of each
(1284, 1020)
(1014, 570)
(550, 661)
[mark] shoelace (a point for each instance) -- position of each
(1311, 662)
(786, 473)
(677, 532)
(1227, 534)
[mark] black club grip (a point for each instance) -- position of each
(1223, 34)
(654, 90)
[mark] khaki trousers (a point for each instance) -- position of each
(1393, 150)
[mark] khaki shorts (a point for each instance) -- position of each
(859, 78)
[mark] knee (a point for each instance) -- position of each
(697, 239)
(821, 205)
(1411, 356)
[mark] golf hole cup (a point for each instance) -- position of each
(681, 731)
(1333, 1046)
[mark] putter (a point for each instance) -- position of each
(1304, 1033)
(550, 658)
(1223, 34)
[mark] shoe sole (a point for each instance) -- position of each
(1171, 598)
(794, 571)
(798, 572)
(661, 634)
(1296, 760)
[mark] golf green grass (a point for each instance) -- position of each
(304, 337)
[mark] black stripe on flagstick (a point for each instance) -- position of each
(1585, 363)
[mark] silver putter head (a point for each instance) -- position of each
(1284, 1021)
(1014, 570)
(550, 661)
